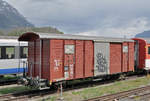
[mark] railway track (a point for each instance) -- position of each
(141, 96)
(121, 95)
(37, 93)
(26, 95)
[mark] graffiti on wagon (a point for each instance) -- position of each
(101, 62)
(57, 63)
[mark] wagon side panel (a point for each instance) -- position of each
(125, 57)
(30, 58)
(115, 58)
(89, 59)
(131, 57)
(45, 59)
(69, 59)
(56, 60)
(101, 58)
(79, 59)
(37, 57)
(142, 54)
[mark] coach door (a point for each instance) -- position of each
(101, 58)
(69, 59)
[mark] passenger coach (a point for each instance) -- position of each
(12, 55)
(59, 57)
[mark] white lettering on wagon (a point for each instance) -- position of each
(66, 75)
(71, 70)
(57, 63)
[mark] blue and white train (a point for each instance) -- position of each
(13, 56)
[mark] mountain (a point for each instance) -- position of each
(20, 31)
(143, 34)
(10, 18)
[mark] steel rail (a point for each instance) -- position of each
(119, 95)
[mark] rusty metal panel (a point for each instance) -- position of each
(125, 50)
(56, 60)
(89, 59)
(79, 67)
(115, 58)
(141, 52)
(69, 59)
(131, 56)
(30, 58)
(101, 58)
(37, 58)
(34, 53)
(45, 59)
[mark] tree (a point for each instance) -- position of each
(1, 33)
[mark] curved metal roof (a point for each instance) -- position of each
(36, 35)
(147, 40)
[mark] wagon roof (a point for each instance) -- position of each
(36, 35)
(147, 40)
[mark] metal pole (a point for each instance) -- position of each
(61, 92)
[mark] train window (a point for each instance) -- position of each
(10, 52)
(148, 50)
(0, 53)
(23, 52)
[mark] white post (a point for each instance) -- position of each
(61, 92)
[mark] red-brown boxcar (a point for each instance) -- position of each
(59, 57)
(142, 53)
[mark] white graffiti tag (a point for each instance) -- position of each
(71, 71)
(57, 63)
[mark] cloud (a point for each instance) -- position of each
(112, 17)
(128, 30)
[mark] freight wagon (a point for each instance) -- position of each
(142, 53)
(54, 58)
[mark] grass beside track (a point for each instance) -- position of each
(96, 91)
(13, 89)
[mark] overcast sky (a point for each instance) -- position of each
(114, 18)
